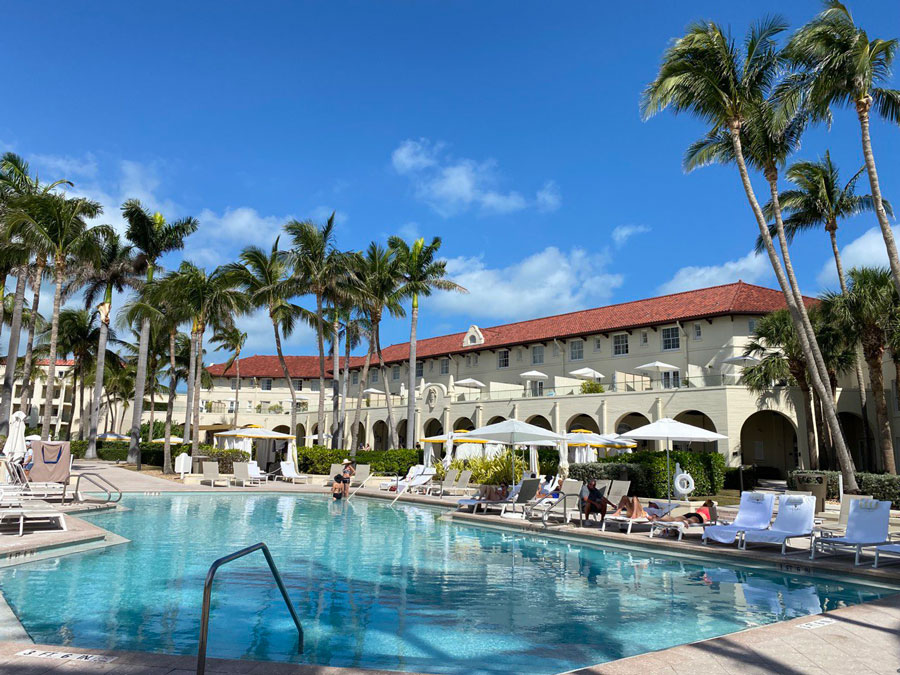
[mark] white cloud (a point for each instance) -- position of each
(867, 250)
(752, 267)
(623, 233)
(454, 185)
(241, 224)
(548, 282)
(63, 167)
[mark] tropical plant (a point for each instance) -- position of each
(153, 236)
(231, 339)
(869, 309)
(840, 66)
(422, 274)
(706, 74)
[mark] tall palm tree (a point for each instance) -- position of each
(775, 343)
(35, 279)
(316, 265)
(869, 309)
(117, 268)
(706, 74)
(267, 281)
(422, 274)
(840, 66)
(381, 290)
(153, 236)
(350, 331)
(231, 339)
(213, 300)
(16, 184)
(56, 226)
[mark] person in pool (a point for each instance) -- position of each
(337, 487)
(347, 474)
(704, 514)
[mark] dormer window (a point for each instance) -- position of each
(473, 337)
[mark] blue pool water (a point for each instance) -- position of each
(392, 588)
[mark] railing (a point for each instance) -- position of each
(207, 595)
(98, 481)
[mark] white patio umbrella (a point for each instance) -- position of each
(33, 437)
(373, 390)
(514, 432)
(533, 375)
(742, 360)
(172, 439)
(112, 436)
(668, 430)
(586, 374)
(657, 367)
(14, 448)
(470, 383)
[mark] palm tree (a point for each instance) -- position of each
(16, 184)
(213, 300)
(704, 73)
(268, 284)
(116, 269)
(316, 265)
(55, 225)
(422, 274)
(153, 236)
(775, 343)
(840, 66)
(869, 309)
(232, 339)
(381, 289)
(35, 278)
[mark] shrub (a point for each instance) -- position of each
(706, 468)
(117, 451)
(159, 430)
(733, 477)
(881, 486)
(493, 471)
(592, 388)
(636, 473)
(318, 459)
(548, 461)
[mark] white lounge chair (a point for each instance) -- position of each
(795, 518)
(448, 483)
(211, 474)
(333, 471)
(522, 499)
(362, 473)
(288, 472)
(658, 526)
(754, 513)
(663, 507)
(242, 475)
(476, 502)
(887, 549)
(410, 474)
(462, 484)
(258, 474)
(867, 527)
(418, 483)
(564, 505)
(829, 530)
(36, 510)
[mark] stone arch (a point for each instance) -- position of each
(769, 438)
(854, 434)
(433, 427)
(464, 423)
(631, 421)
(380, 437)
(583, 421)
(361, 439)
(540, 421)
(401, 434)
(700, 419)
(301, 434)
(496, 419)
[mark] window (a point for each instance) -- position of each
(354, 377)
(420, 369)
(472, 339)
(231, 406)
(445, 366)
(671, 339)
(373, 377)
(598, 343)
(537, 355)
(671, 379)
(314, 385)
(519, 352)
(266, 384)
(698, 331)
(298, 385)
(395, 372)
(234, 383)
(503, 358)
(555, 351)
(472, 360)
(751, 326)
(537, 388)
(576, 350)
(645, 338)
(620, 344)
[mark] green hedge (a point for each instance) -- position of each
(318, 459)
(117, 451)
(636, 473)
(707, 469)
(881, 486)
(548, 461)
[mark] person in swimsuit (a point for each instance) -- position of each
(630, 507)
(702, 515)
(337, 488)
(347, 474)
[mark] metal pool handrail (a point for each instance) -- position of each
(207, 593)
(90, 476)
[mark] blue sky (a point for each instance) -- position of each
(510, 129)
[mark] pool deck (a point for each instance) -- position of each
(863, 638)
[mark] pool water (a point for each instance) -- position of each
(393, 588)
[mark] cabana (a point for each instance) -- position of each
(268, 443)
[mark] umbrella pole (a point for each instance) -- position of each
(668, 477)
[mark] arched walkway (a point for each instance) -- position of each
(496, 418)
(696, 419)
(463, 423)
(631, 421)
(401, 434)
(301, 434)
(540, 421)
(854, 434)
(583, 422)
(768, 438)
(433, 427)
(380, 437)
(361, 439)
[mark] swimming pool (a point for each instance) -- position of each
(393, 588)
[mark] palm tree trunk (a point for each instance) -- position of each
(81, 408)
(320, 336)
(354, 430)
(811, 445)
(195, 437)
(862, 111)
(337, 436)
(844, 458)
(237, 388)
(345, 381)
(287, 376)
(874, 361)
(411, 400)
(392, 430)
(140, 383)
(54, 345)
(27, 387)
(12, 354)
(152, 422)
(103, 309)
(62, 403)
(189, 396)
(170, 405)
(822, 435)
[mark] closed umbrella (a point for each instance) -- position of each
(14, 448)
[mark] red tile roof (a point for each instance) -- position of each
(730, 299)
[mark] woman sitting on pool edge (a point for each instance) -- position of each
(337, 487)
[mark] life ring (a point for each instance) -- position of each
(684, 483)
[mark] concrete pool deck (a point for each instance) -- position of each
(863, 638)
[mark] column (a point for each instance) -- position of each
(601, 417)
(555, 419)
(515, 411)
(479, 416)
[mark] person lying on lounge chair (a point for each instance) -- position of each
(630, 507)
(698, 517)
